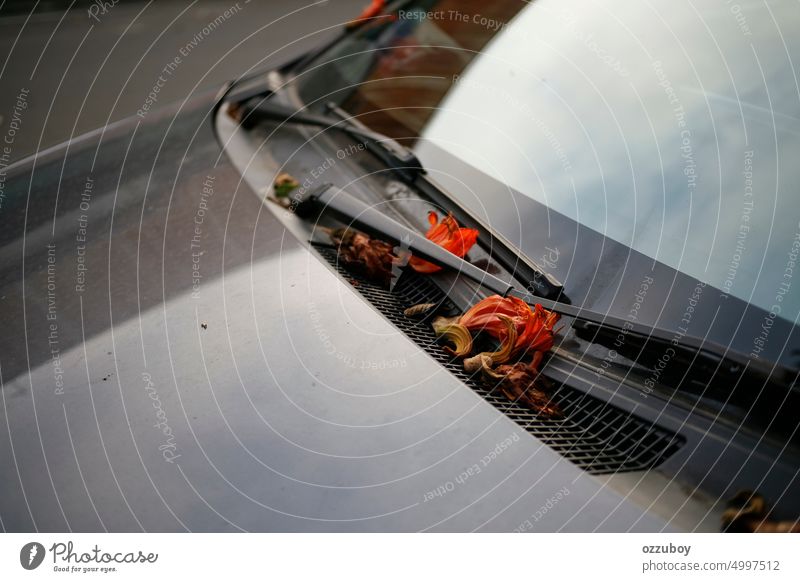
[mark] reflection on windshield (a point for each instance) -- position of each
(670, 128)
(393, 72)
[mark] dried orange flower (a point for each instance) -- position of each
(448, 235)
(534, 326)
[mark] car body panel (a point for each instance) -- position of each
(236, 400)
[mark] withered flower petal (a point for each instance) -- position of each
(448, 235)
(501, 355)
(482, 361)
(448, 328)
(534, 326)
(442, 321)
(364, 255)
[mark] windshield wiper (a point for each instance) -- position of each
(395, 156)
(405, 165)
(641, 340)
(721, 373)
(764, 390)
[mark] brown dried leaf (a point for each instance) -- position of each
(499, 356)
(522, 383)
(480, 362)
(364, 255)
(748, 513)
(420, 310)
(284, 184)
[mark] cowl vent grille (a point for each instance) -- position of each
(593, 434)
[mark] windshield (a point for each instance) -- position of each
(672, 129)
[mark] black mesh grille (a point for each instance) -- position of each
(593, 434)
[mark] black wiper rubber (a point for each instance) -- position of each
(589, 324)
(397, 157)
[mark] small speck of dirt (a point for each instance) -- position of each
(204, 325)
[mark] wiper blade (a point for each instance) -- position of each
(405, 164)
(395, 156)
(695, 366)
(595, 326)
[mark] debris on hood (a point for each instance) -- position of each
(499, 356)
(522, 332)
(364, 255)
(235, 112)
(522, 383)
(450, 329)
(748, 513)
(368, 255)
(284, 185)
(448, 235)
(534, 327)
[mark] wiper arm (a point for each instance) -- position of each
(405, 164)
(395, 156)
(764, 391)
(540, 282)
(733, 367)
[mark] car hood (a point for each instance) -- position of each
(173, 360)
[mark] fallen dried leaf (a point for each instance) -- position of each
(367, 256)
(523, 384)
(419, 310)
(501, 355)
(748, 513)
(284, 184)
(448, 328)
(534, 326)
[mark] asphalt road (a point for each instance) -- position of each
(78, 66)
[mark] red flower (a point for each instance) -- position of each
(534, 326)
(371, 10)
(448, 235)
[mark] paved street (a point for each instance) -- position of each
(81, 68)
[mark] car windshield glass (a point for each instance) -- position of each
(396, 70)
(679, 139)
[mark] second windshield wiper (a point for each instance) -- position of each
(715, 371)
